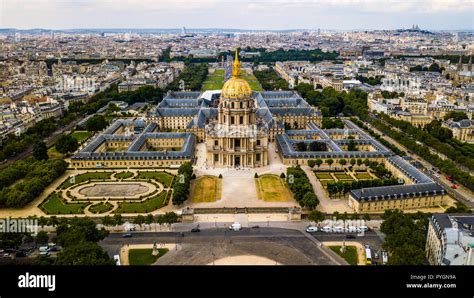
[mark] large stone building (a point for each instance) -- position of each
(236, 123)
(237, 138)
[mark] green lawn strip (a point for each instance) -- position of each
(342, 176)
(146, 206)
(56, 205)
(144, 256)
(81, 136)
(323, 175)
(162, 177)
(350, 255)
(84, 177)
(124, 175)
(101, 207)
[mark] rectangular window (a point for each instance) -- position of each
(216, 143)
(232, 120)
(241, 120)
(216, 157)
(257, 157)
(258, 142)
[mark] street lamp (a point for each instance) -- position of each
(215, 221)
(213, 258)
(268, 221)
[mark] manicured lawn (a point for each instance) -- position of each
(323, 175)
(55, 205)
(146, 206)
(124, 175)
(350, 255)
(144, 256)
(214, 81)
(162, 177)
(101, 207)
(342, 176)
(206, 189)
(272, 188)
(252, 80)
(81, 135)
(84, 177)
(325, 182)
(363, 176)
(54, 154)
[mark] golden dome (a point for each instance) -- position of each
(236, 87)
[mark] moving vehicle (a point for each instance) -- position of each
(350, 237)
(311, 229)
(368, 255)
(128, 235)
(195, 230)
(235, 226)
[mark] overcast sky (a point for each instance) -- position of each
(244, 14)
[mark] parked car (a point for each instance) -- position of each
(195, 230)
(326, 229)
(311, 229)
(338, 229)
(350, 237)
(255, 227)
(351, 229)
(128, 235)
(44, 249)
(235, 226)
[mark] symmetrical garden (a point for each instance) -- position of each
(106, 192)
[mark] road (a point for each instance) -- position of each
(285, 246)
(461, 194)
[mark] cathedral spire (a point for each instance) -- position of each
(469, 65)
(460, 63)
(236, 65)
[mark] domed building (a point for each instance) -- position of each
(235, 139)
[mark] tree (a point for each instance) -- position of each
(96, 123)
(351, 146)
(316, 216)
(342, 162)
(330, 162)
(118, 219)
(311, 163)
(139, 220)
(405, 238)
(42, 238)
(40, 151)
(66, 144)
(310, 200)
(83, 253)
(317, 146)
(353, 162)
(301, 146)
(455, 115)
(108, 221)
(319, 162)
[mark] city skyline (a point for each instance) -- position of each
(238, 14)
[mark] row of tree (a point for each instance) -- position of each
(181, 183)
(301, 188)
(191, 78)
(35, 177)
(270, 80)
(340, 188)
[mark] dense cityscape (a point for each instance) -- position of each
(236, 147)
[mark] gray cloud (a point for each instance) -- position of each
(247, 14)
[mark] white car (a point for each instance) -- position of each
(338, 230)
(351, 229)
(311, 229)
(326, 229)
(235, 226)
